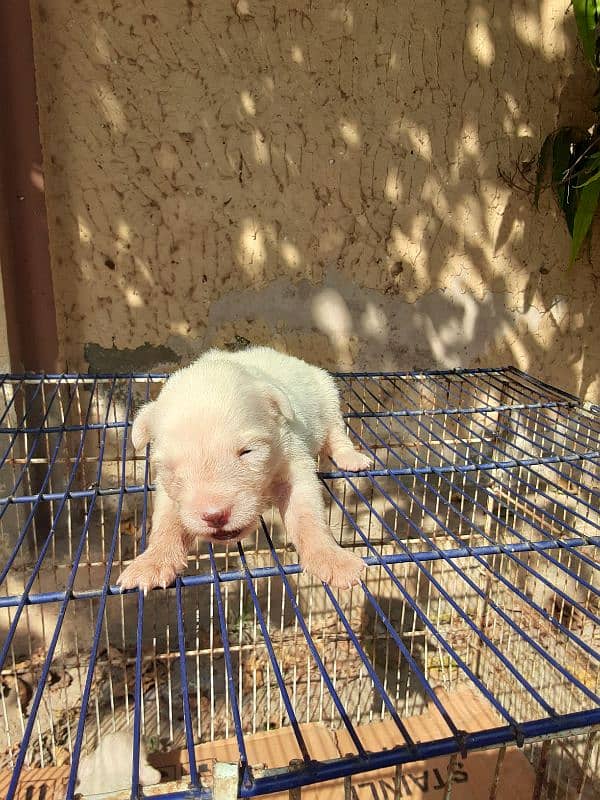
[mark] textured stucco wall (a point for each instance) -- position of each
(324, 176)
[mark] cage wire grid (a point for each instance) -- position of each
(479, 524)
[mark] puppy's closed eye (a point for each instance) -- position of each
(254, 451)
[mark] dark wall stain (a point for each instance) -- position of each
(141, 359)
(238, 343)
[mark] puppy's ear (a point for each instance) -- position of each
(141, 431)
(280, 402)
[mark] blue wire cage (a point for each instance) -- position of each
(479, 522)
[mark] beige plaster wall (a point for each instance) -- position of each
(328, 177)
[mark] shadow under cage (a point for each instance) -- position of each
(479, 524)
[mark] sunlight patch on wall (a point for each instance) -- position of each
(133, 298)
(102, 44)
(543, 29)
(520, 354)
(261, 148)
(433, 192)
(350, 134)
(374, 323)
(123, 231)
(242, 8)
(141, 267)
(420, 141)
(331, 313)
(247, 102)
(290, 254)
(111, 108)
(407, 247)
(393, 185)
(480, 41)
(342, 13)
(180, 328)
(333, 318)
(559, 310)
(252, 252)
(554, 39)
(85, 234)
(469, 140)
(513, 123)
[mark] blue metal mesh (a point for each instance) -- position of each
(479, 522)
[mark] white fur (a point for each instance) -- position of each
(108, 769)
(231, 434)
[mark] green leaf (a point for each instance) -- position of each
(542, 167)
(595, 177)
(569, 142)
(588, 168)
(592, 161)
(587, 202)
(586, 15)
(563, 148)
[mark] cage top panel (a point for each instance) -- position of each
(478, 520)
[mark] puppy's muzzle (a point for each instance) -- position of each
(216, 518)
(224, 536)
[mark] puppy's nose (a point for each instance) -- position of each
(216, 518)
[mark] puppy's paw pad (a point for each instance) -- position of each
(352, 460)
(146, 574)
(337, 567)
(348, 570)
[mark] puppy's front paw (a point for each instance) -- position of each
(148, 572)
(352, 460)
(337, 567)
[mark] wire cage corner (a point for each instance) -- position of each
(479, 524)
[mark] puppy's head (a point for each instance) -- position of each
(216, 436)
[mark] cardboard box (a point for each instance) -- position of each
(422, 780)
(272, 749)
(426, 780)
(48, 783)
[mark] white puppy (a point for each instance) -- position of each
(232, 434)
